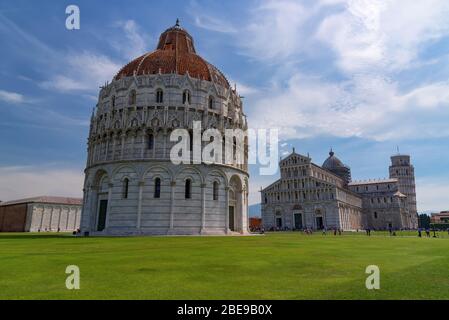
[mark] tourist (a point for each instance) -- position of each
(427, 233)
(324, 231)
(419, 233)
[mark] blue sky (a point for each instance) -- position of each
(362, 77)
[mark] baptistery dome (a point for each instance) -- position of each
(132, 186)
(175, 53)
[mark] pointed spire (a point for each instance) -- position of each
(331, 152)
(177, 22)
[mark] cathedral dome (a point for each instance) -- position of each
(334, 165)
(332, 162)
(175, 53)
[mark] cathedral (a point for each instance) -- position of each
(309, 196)
(131, 185)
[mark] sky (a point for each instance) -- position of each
(364, 77)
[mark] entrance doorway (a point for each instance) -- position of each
(102, 211)
(279, 223)
(298, 221)
(319, 223)
(231, 218)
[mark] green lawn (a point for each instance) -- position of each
(272, 266)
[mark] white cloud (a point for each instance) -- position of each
(11, 97)
(373, 34)
(213, 24)
(29, 181)
(365, 107)
(136, 40)
(431, 194)
(83, 72)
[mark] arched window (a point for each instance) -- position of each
(215, 190)
(188, 189)
(186, 97)
(113, 101)
(125, 188)
(211, 102)
(157, 188)
(132, 97)
(159, 96)
(150, 141)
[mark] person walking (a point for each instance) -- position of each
(419, 233)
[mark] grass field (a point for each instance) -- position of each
(272, 266)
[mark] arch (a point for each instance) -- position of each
(236, 214)
(186, 168)
(219, 172)
(120, 168)
(160, 167)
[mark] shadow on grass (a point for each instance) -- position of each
(28, 236)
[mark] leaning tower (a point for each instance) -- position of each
(402, 169)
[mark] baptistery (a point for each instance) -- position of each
(132, 185)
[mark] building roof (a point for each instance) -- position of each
(374, 181)
(332, 162)
(175, 53)
(45, 199)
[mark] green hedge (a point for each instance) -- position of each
(439, 226)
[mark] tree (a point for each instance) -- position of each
(424, 221)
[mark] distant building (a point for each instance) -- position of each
(40, 214)
(316, 197)
(441, 217)
(255, 223)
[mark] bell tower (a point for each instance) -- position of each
(402, 169)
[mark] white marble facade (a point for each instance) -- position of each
(309, 196)
(52, 217)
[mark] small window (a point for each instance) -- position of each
(375, 215)
(125, 188)
(188, 189)
(132, 97)
(150, 141)
(113, 101)
(186, 97)
(215, 190)
(190, 140)
(157, 188)
(211, 102)
(159, 96)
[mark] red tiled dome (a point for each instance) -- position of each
(175, 53)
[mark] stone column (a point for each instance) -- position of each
(227, 210)
(51, 219)
(122, 156)
(139, 205)
(203, 207)
(108, 209)
(93, 208)
(172, 203)
(142, 150)
(59, 219)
